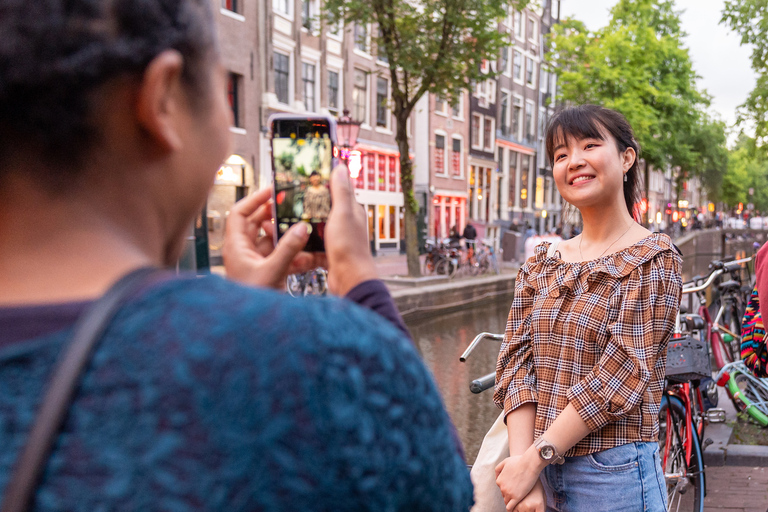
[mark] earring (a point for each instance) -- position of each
(625, 177)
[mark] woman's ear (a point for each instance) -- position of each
(161, 100)
(628, 158)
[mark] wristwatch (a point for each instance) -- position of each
(547, 451)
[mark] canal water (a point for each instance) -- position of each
(441, 340)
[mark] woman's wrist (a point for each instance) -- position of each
(533, 461)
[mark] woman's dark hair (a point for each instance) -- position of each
(592, 122)
(54, 54)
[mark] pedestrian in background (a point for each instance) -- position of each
(580, 374)
(202, 393)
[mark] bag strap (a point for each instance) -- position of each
(61, 389)
(553, 248)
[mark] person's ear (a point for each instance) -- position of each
(628, 159)
(161, 98)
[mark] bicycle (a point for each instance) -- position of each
(748, 393)
(314, 282)
(485, 259)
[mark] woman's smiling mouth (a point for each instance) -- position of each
(581, 179)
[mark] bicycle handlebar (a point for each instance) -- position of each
(471, 347)
(718, 268)
(483, 383)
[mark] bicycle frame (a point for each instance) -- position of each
(727, 378)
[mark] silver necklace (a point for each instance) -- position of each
(581, 237)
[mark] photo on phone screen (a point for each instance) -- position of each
(302, 157)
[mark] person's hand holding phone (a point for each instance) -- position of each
(346, 237)
(251, 257)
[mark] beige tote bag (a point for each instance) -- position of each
(494, 449)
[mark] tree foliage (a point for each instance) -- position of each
(638, 65)
(747, 169)
(431, 46)
(749, 18)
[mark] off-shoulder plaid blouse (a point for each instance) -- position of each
(593, 334)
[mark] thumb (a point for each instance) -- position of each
(342, 193)
(287, 248)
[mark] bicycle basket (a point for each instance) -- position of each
(687, 359)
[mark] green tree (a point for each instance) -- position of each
(749, 18)
(747, 169)
(638, 65)
(432, 46)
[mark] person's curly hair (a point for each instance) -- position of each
(55, 53)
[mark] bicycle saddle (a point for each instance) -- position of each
(694, 322)
(729, 286)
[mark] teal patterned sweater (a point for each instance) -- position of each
(205, 395)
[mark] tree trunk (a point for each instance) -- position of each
(411, 207)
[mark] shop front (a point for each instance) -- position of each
(233, 181)
(378, 190)
(449, 209)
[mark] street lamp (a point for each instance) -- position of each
(347, 130)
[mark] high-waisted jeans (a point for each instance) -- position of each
(625, 478)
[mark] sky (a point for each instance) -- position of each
(722, 64)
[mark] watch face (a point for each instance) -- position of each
(547, 452)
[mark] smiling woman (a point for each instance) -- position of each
(580, 372)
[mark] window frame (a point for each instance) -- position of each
(289, 57)
(530, 72)
(387, 115)
(364, 99)
(460, 139)
(443, 173)
(314, 83)
(288, 14)
(339, 82)
(518, 79)
(366, 52)
(486, 146)
(235, 98)
(476, 133)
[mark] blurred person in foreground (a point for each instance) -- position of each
(203, 394)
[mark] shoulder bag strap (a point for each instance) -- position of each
(61, 389)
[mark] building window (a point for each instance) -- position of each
(440, 154)
(530, 128)
(382, 95)
(360, 96)
(504, 58)
(361, 37)
(488, 133)
(456, 109)
(456, 157)
(517, 110)
(382, 174)
(392, 174)
(512, 178)
(476, 134)
(234, 93)
(524, 171)
(282, 74)
(519, 25)
(517, 66)
(371, 171)
(333, 92)
(530, 71)
(231, 5)
(381, 51)
(532, 30)
(504, 114)
(308, 79)
(440, 104)
(282, 7)
(308, 14)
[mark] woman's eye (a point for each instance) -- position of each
(559, 157)
(590, 145)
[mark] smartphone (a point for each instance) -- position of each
(302, 159)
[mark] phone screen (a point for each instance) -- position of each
(302, 152)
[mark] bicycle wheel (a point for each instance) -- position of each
(757, 395)
(430, 263)
(495, 264)
(294, 285)
(685, 480)
(444, 267)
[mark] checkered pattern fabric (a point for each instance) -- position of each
(593, 334)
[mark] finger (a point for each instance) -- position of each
(512, 504)
(500, 467)
(237, 221)
(262, 214)
(286, 250)
(342, 192)
(251, 203)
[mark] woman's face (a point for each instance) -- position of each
(589, 172)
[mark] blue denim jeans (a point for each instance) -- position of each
(625, 478)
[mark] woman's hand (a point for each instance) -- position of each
(251, 257)
(346, 237)
(516, 476)
(535, 501)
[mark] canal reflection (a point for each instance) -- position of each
(441, 341)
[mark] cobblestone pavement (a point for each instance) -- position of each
(736, 489)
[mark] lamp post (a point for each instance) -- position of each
(347, 130)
